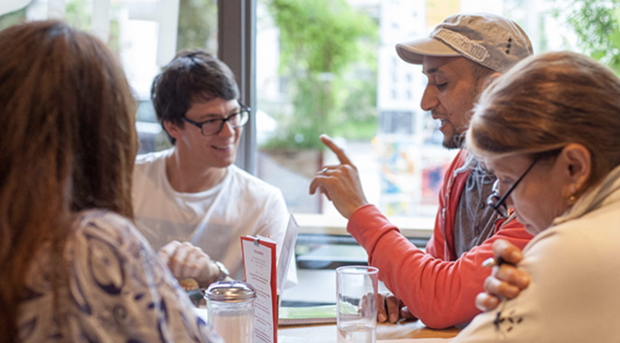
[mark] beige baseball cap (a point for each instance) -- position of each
(488, 39)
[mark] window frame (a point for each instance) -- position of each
(237, 48)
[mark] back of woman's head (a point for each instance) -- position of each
(67, 143)
(546, 102)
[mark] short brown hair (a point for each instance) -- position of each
(480, 72)
(193, 75)
(546, 102)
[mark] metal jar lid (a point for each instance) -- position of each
(230, 291)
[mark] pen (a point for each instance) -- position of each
(492, 262)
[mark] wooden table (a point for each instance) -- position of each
(327, 333)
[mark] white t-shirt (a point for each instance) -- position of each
(213, 220)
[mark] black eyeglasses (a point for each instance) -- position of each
(494, 201)
(214, 126)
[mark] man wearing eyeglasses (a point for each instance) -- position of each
(191, 202)
(439, 285)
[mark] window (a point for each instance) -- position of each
(142, 38)
(376, 117)
(343, 78)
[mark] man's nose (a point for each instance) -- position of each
(429, 99)
(227, 130)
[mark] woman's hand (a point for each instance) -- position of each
(506, 281)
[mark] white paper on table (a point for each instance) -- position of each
(257, 266)
(287, 252)
(417, 340)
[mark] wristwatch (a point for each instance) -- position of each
(223, 271)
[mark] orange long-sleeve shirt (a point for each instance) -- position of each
(437, 287)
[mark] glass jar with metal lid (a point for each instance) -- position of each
(231, 310)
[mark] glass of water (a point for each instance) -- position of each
(356, 288)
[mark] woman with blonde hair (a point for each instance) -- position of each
(550, 130)
(72, 265)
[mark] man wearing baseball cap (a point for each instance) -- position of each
(460, 58)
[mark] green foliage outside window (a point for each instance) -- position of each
(596, 23)
(197, 25)
(328, 57)
(12, 18)
(78, 15)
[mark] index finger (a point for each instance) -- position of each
(342, 157)
(507, 251)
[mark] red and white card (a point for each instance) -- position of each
(259, 261)
(259, 266)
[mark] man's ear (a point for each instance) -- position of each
(489, 79)
(172, 129)
(578, 164)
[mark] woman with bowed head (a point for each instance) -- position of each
(72, 265)
(550, 130)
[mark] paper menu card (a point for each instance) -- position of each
(259, 265)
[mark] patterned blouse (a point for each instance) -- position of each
(118, 291)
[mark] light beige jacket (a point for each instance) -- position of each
(574, 293)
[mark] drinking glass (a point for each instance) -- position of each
(356, 288)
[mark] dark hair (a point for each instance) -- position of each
(480, 72)
(192, 76)
(67, 142)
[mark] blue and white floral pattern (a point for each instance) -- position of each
(118, 291)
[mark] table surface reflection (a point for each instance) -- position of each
(328, 333)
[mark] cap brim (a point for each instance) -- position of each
(414, 51)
